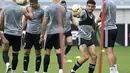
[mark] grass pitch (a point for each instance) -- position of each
(122, 53)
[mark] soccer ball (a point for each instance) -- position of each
(76, 8)
(21, 2)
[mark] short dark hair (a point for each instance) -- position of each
(63, 2)
(34, 1)
(91, 2)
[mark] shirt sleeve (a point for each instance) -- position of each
(42, 13)
(46, 12)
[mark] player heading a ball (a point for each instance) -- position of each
(76, 9)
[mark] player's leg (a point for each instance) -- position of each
(84, 58)
(48, 43)
(110, 37)
(38, 48)
(85, 55)
(92, 53)
(58, 51)
(16, 45)
(5, 48)
(27, 49)
(69, 42)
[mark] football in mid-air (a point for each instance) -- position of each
(21, 2)
(76, 8)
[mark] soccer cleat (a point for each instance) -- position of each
(72, 71)
(8, 69)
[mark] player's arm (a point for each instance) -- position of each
(24, 23)
(2, 20)
(5, 42)
(43, 30)
(99, 19)
(73, 21)
(44, 24)
(94, 25)
(27, 12)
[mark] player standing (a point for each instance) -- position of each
(51, 27)
(11, 20)
(110, 33)
(32, 36)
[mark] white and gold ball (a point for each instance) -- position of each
(21, 2)
(76, 7)
(76, 10)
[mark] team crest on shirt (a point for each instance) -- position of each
(36, 13)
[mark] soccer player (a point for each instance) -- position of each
(51, 27)
(11, 19)
(67, 27)
(110, 33)
(32, 35)
(86, 44)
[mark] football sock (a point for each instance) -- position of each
(76, 66)
(14, 60)
(26, 61)
(38, 62)
(67, 49)
(5, 56)
(59, 60)
(91, 68)
(46, 62)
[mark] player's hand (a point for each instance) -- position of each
(23, 34)
(5, 42)
(41, 39)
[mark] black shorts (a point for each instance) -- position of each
(52, 40)
(82, 41)
(14, 41)
(32, 39)
(110, 38)
(67, 34)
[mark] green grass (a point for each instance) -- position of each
(122, 53)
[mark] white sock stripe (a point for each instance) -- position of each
(78, 64)
(38, 55)
(15, 51)
(91, 66)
